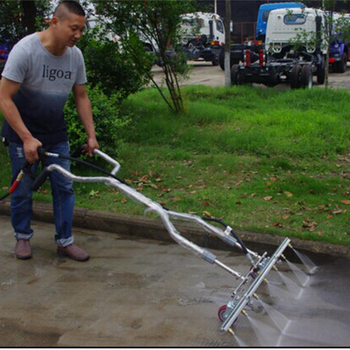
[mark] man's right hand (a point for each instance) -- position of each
(31, 146)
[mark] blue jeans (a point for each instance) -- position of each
(62, 195)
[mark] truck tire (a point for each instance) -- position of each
(306, 77)
(321, 72)
(295, 77)
(236, 77)
(341, 65)
(215, 60)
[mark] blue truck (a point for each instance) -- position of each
(339, 53)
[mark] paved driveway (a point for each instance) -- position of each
(203, 73)
(149, 293)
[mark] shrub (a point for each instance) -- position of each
(108, 123)
(107, 64)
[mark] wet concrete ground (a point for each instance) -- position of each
(149, 293)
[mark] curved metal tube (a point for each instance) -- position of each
(139, 197)
(110, 160)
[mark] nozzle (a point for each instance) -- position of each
(283, 257)
(256, 296)
(290, 246)
(275, 267)
(266, 281)
(231, 331)
(244, 313)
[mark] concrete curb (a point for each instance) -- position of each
(143, 227)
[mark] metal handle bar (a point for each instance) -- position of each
(153, 206)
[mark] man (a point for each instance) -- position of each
(41, 71)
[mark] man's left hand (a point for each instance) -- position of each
(92, 144)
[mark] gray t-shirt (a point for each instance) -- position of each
(46, 82)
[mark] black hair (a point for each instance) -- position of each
(72, 6)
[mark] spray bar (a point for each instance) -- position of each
(253, 287)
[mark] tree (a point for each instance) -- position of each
(155, 22)
(19, 18)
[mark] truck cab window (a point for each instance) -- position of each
(294, 19)
(219, 26)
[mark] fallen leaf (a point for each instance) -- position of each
(253, 195)
(154, 186)
(277, 224)
(346, 202)
(238, 203)
(273, 179)
(285, 217)
(237, 183)
(320, 233)
(144, 178)
(206, 213)
(175, 199)
(337, 211)
(309, 225)
(329, 217)
(268, 198)
(124, 200)
(288, 194)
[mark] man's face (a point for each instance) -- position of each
(69, 30)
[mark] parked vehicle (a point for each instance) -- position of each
(280, 61)
(263, 15)
(203, 36)
(5, 49)
(237, 50)
(339, 54)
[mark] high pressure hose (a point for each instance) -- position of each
(25, 169)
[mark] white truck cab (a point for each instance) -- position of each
(285, 24)
(201, 23)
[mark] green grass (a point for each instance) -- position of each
(230, 152)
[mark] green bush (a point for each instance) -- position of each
(108, 123)
(107, 64)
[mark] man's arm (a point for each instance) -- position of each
(85, 113)
(8, 90)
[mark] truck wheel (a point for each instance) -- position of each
(306, 78)
(321, 72)
(341, 65)
(295, 77)
(215, 61)
(236, 77)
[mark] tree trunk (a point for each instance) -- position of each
(29, 10)
(227, 43)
